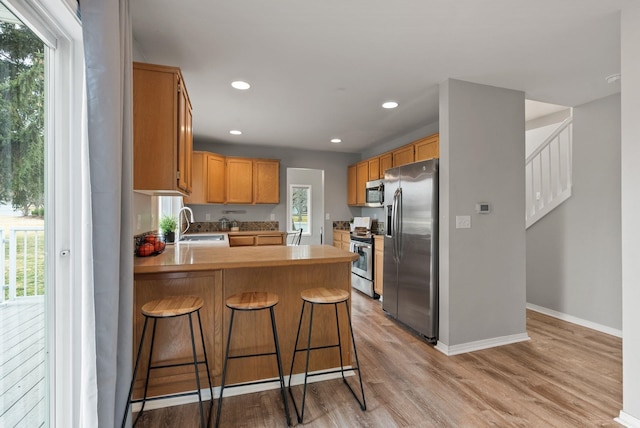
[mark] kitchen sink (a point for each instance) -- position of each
(217, 239)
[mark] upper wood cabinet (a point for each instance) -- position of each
(216, 179)
(208, 173)
(162, 133)
(266, 181)
(374, 168)
(386, 162)
(239, 180)
(352, 185)
(362, 169)
(403, 155)
(427, 148)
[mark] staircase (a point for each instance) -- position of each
(548, 173)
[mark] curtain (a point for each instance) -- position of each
(108, 51)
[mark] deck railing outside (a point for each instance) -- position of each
(22, 260)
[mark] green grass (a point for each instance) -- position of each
(34, 264)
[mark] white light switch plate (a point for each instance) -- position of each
(463, 222)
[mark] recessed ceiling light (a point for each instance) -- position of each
(336, 140)
(613, 78)
(390, 104)
(235, 132)
(239, 84)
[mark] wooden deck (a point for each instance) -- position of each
(23, 385)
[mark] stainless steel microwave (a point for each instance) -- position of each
(374, 193)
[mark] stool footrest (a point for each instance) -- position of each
(352, 369)
(251, 355)
(167, 366)
(318, 347)
(162, 397)
(257, 382)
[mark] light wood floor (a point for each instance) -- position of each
(565, 376)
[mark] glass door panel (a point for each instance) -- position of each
(23, 351)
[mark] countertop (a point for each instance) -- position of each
(186, 257)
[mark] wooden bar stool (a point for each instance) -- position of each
(253, 301)
(325, 296)
(170, 307)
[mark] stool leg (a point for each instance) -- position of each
(135, 371)
(146, 381)
(363, 403)
(206, 359)
(277, 345)
(224, 369)
(293, 360)
(195, 367)
(306, 369)
(335, 307)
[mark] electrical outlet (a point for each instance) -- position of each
(273, 217)
(327, 216)
(463, 222)
(207, 217)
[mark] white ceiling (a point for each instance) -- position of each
(321, 69)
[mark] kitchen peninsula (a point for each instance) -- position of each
(216, 273)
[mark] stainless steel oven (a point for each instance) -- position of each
(362, 267)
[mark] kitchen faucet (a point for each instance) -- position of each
(180, 222)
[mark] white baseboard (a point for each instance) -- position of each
(575, 320)
(627, 420)
(296, 379)
(480, 344)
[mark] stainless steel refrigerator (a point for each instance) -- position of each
(410, 279)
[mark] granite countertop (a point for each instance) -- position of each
(186, 257)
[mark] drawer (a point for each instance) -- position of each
(241, 241)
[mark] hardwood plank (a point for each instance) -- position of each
(566, 375)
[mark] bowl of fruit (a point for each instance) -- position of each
(150, 245)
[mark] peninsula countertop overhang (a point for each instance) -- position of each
(190, 258)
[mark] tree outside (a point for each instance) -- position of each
(21, 118)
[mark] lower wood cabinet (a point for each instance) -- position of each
(378, 267)
(341, 239)
(247, 239)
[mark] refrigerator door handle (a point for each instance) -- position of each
(395, 225)
(399, 224)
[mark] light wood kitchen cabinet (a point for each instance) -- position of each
(239, 177)
(341, 239)
(266, 181)
(216, 179)
(162, 133)
(199, 182)
(352, 185)
(427, 148)
(374, 168)
(403, 155)
(244, 239)
(386, 162)
(378, 267)
(362, 169)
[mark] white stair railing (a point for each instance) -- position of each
(24, 268)
(548, 173)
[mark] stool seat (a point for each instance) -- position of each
(324, 295)
(252, 301)
(172, 306)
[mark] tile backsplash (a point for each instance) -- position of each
(215, 226)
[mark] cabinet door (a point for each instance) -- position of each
(386, 162)
(403, 155)
(427, 148)
(185, 139)
(337, 239)
(374, 169)
(216, 179)
(266, 181)
(352, 185)
(378, 269)
(199, 179)
(155, 110)
(361, 180)
(239, 181)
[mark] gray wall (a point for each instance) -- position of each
(482, 269)
(574, 252)
(334, 165)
